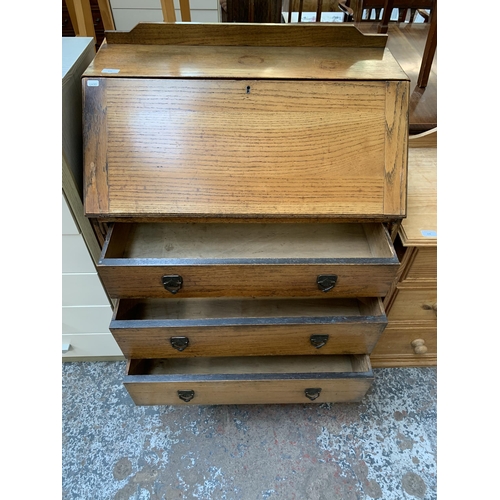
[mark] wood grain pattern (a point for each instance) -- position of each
(396, 148)
(218, 268)
(416, 305)
(146, 393)
(256, 242)
(426, 139)
(394, 346)
(411, 304)
(248, 327)
(422, 199)
(403, 360)
(95, 154)
(184, 61)
(247, 34)
(248, 148)
(248, 280)
(423, 266)
(248, 380)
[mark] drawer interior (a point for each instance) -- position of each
(253, 365)
(231, 308)
(247, 241)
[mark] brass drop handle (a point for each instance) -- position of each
(179, 343)
(326, 282)
(172, 282)
(185, 395)
(419, 346)
(318, 341)
(313, 393)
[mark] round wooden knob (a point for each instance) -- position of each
(419, 346)
(430, 307)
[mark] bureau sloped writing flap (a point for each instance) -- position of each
(245, 148)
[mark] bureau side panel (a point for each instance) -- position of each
(396, 148)
(95, 143)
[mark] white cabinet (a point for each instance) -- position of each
(86, 308)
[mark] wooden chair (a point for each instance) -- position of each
(167, 7)
(258, 11)
(403, 12)
(361, 10)
(80, 14)
(309, 6)
(431, 42)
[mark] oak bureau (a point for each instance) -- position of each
(246, 173)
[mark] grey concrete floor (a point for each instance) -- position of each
(383, 447)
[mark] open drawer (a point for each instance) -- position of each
(247, 259)
(159, 328)
(249, 380)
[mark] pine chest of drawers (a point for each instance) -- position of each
(410, 338)
(245, 173)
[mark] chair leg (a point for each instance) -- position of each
(386, 17)
(429, 51)
(84, 24)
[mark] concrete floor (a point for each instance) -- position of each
(383, 447)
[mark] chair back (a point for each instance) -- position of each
(311, 11)
(404, 8)
(168, 9)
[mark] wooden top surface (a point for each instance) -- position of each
(183, 61)
(420, 226)
(264, 51)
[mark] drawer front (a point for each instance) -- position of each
(240, 260)
(263, 386)
(414, 305)
(145, 329)
(263, 280)
(424, 265)
(406, 345)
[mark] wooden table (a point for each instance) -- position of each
(406, 42)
